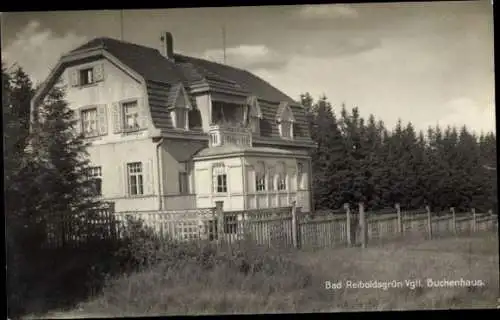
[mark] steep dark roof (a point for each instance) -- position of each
(162, 75)
(153, 66)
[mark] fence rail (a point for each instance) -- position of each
(287, 226)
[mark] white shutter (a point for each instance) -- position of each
(73, 78)
(99, 72)
(117, 118)
(143, 114)
(148, 177)
(77, 116)
(121, 186)
(102, 111)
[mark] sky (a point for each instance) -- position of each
(429, 62)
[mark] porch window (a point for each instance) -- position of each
(281, 175)
(300, 178)
(260, 176)
(270, 182)
(220, 178)
(135, 178)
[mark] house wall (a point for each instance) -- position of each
(113, 159)
(234, 198)
(116, 86)
(112, 151)
(241, 185)
(204, 104)
(274, 198)
(175, 155)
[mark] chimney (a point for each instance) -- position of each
(167, 45)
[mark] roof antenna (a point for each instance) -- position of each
(224, 42)
(121, 24)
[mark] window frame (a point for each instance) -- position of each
(260, 177)
(82, 121)
(137, 177)
(219, 176)
(84, 74)
(95, 173)
(127, 104)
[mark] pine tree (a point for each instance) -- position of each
(327, 158)
(59, 163)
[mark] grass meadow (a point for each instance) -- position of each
(200, 280)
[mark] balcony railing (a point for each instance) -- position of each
(229, 135)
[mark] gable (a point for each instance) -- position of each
(253, 103)
(284, 113)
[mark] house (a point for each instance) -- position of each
(168, 131)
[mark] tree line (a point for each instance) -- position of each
(45, 165)
(361, 160)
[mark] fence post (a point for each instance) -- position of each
(474, 225)
(295, 239)
(348, 224)
(429, 221)
(453, 220)
(363, 225)
(219, 213)
(400, 218)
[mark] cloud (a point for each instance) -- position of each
(330, 11)
(250, 57)
(37, 50)
(340, 46)
(464, 110)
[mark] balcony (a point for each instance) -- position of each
(229, 135)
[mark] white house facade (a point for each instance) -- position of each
(170, 132)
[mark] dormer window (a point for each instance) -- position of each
(285, 120)
(179, 109)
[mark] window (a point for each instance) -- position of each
(181, 118)
(255, 124)
(220, 178)
(260, 177)
(183, 182)
(94, 174)
(281, 177)
(131, 116)
(286, 129)
(89, 122)
(300, 178)
(230, 224)
(270, 176)
(86, 76)
(135, 178)
(285, 120)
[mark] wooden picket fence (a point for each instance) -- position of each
(283, 227)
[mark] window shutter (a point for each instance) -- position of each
(78, 124)
(143, 114)
(117, 118)
(120, 187)
(148, 178)
(73, 78)
(99, 72)
(102, 111)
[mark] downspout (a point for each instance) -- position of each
(159, 165)
(311, 193)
